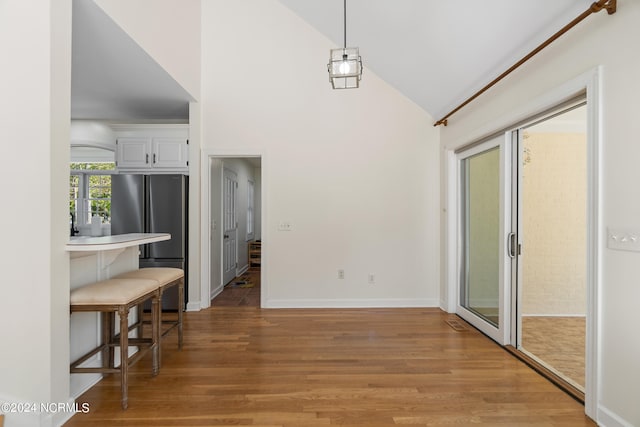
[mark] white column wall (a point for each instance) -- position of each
(609, 42)
(169, 31)
(355, 172)
(35, 45)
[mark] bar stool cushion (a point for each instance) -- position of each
(162, 275)
(112, 291)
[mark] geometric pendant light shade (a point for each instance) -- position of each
(345, 64)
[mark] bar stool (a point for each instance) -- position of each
(165, 277)
(119, 295)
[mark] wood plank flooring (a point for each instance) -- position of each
(320, 367)
(234, 296)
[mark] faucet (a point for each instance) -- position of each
(74, 230)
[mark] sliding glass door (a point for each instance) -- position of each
(552, 229)
(482, 211)
(526, 240)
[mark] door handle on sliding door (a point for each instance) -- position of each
(511, 244)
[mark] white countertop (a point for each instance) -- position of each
(119, 241)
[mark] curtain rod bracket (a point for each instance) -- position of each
(609, 5)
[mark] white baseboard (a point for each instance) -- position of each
(81, 382)
(553, 315)
(242, 270)
(56, 415)
(608, 418)
(217, 291)
(352, 303)
(59, 418)
(194, 306)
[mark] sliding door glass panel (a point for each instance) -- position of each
(553, 231)
(480, 287)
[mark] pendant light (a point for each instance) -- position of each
(345, 64)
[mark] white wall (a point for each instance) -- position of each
(355, 172)
(35, 37)
(610, 42)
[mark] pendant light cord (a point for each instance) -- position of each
(345, 24)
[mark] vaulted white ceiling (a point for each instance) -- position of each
(439, 52)
(436, 52)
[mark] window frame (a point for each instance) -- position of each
(83, 216)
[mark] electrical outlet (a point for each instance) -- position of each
(372, 278)
(340, 274)
(623, 240)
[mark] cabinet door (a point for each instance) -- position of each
(133, 153)
(170, 153)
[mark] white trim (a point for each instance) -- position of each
(553, 315)
(452, 240)
(502, 332)
(205, 217)
(608, 418)
(593, 370)
(37, 418)
(82, 382)
(215, 292)
(194, 305)
(240, 271)
(354, 303)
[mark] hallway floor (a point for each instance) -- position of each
(243, 291)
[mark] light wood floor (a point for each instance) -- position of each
(319, 367)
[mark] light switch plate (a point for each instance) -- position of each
(285, 226)
(623, 240)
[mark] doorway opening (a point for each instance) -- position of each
(235, 223)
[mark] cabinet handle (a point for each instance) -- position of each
(154, 158)
(147, 158)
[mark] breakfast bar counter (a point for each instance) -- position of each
(120, 241)
(93, 259)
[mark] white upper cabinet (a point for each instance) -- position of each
(149, 150)
(170, 153)
(133, 153)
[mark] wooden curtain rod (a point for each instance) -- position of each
(609, 5)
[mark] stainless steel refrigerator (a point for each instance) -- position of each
(154, 204)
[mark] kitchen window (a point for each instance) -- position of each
(90, 191)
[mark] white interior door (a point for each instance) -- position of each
(483, 232)
(230, 225)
